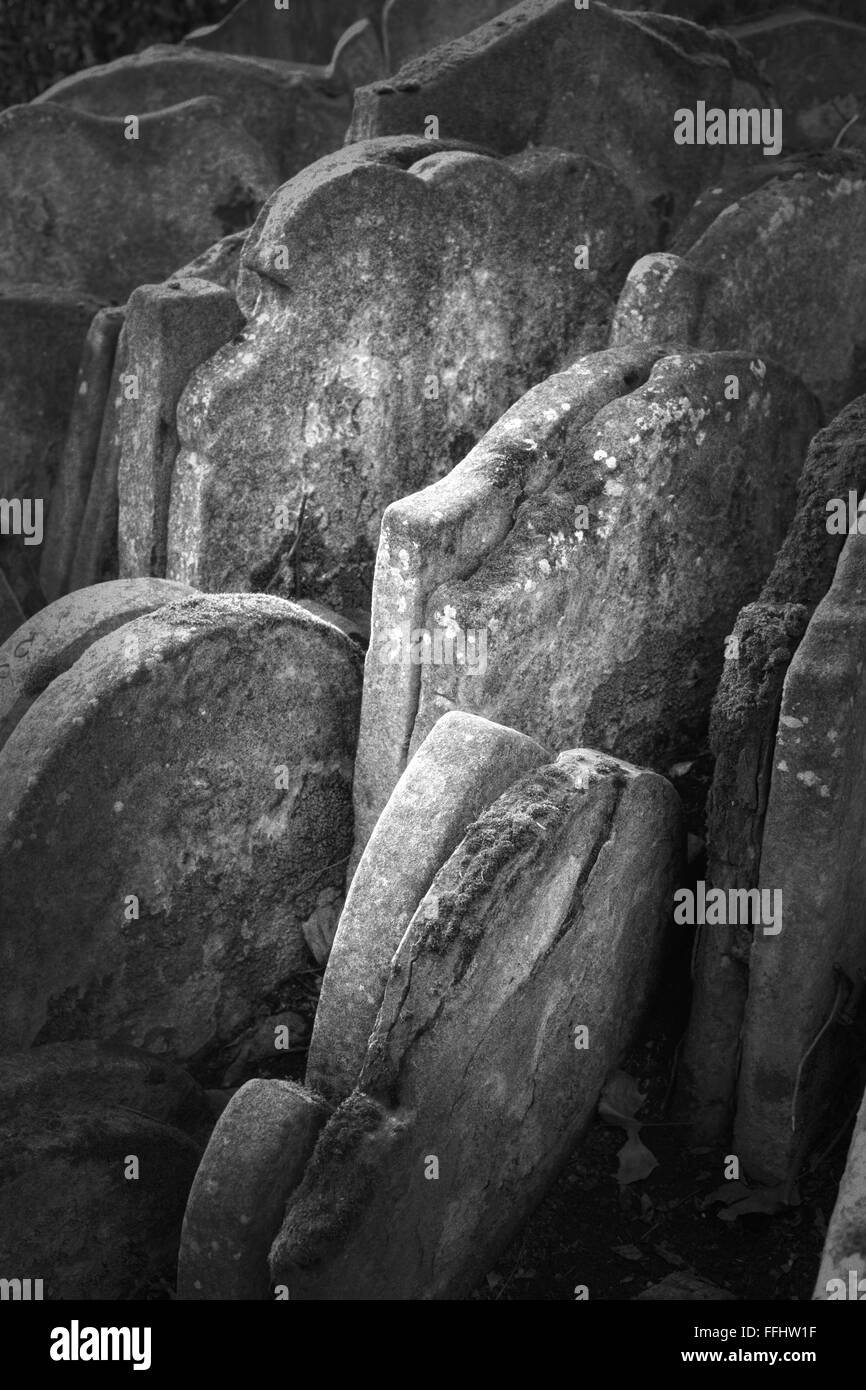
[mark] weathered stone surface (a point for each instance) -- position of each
(173, 810)
(845, 1246)
(817, 67)
(412, 27)
(123, 211)
(304, 31)
(219, 263)
(11, 612)
(328, 395)
(295, 116)
(78, 460)
(255, 1159)
(596, 81)
(742, 737)
(52, 641)
(547, 917)
(170, 330)
(95, 559)
(69, 1216)
(812, 852)
(85, 1075)
(358, 58)
(686, 498)
(778, 273)
(42, 335)
(463, 765)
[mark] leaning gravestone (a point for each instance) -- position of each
(80, 450)
(175, 816)
(843, 1263)
(255, 1159)
(596, 81)
(463, 765)
(293, 115)
(339, 397)
(742, 737)
(293, 31)
(411, 27)
(129, 201)
(812, 854)
(52, 641)
(645, 504)
(519, 983)
(170, 330)
(778, 273)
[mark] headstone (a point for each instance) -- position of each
(812, 855)
(396, 305)
(463, 766)
(71, 1212)
(255, 1159)
(520, 982)
(78, 460)
(778, 273)
(595, 81)
(52, 641)
(219, 263)
(817, 67)
(843, 1261)
(587, 561)
(742, 737)
(129, 201)
(292, 115)
(95, 559)
(174, 810)
(170, 330)
(304, 31)
(358, 57)
(412, 27)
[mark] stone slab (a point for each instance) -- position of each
(778, 273)
(170, 330)
(548, 917)
(812, 853)
(122, 211)
(743, 729)
(353, 396)
(596, 81)
(411, 27)
(52, 641)
(78, 460)
(845, 1247)
(463, 765)
(255, 1159)
(175, 810)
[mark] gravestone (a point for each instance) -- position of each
(170, 330)
(778, 273)
(80, 449)
(339, 398)
(844, 1251)
(462, 767)
(176, 816)
(52, 641)
(587, 560)
(411, 27)
(519, 983)
(802, 978)
(128, 203)
(255, 1159)
(595, 81)
(743, 728)
(293, 116)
